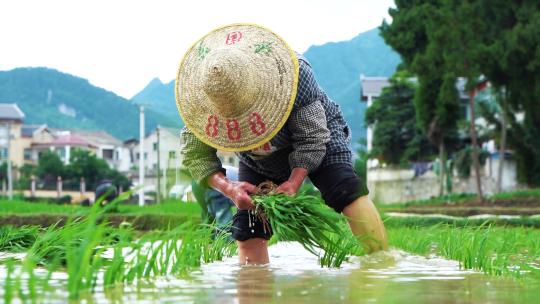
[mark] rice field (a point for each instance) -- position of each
(96, 258)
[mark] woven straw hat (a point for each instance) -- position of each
(236, 86)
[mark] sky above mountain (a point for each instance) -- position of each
(121, 45)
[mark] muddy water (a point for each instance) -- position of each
(295, 277)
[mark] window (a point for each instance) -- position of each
(107, 153)
(138, 156)
(3, 153)
(172, 154)
(155, 146)
(27, 154)
(145, 155)
(61, 152)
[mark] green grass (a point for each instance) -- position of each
(492, 250)
(457, 198)
(518, 193)
(454, 198)
(421, 221)
(166, 207)
(23, 207)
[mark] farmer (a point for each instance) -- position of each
(241, 88)
(105, 191)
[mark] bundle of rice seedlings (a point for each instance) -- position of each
(17, 239)
(307, 220)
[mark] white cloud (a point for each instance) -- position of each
(121, 45)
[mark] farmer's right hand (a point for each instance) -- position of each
(238, 192)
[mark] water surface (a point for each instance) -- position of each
(294, 276)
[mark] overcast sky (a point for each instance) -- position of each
(120, 45)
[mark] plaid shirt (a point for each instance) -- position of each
(315, 135)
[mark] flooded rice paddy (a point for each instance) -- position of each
(294, 276)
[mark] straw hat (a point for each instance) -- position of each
(236, 86)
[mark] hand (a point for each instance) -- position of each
(289, 188)
(239, 192)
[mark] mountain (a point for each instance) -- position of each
(61, 100)
(159, 97)
(337, 67)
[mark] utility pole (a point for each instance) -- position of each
(9, 173)
(158, 189)
(141, 156)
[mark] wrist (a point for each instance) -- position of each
(220, 182)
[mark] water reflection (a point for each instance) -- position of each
(294, 276)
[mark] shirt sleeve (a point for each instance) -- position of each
(199, 158)
(309, 134)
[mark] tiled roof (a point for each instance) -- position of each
(70, 140)
(10, 111)
(97, 138)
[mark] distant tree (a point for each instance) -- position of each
(397, 139)
(26, 171)
(86, 164)
(436, 100)
(50, 166)
(509, 57)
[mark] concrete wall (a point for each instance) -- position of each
(393, 186)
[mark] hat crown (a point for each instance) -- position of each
(226, 82)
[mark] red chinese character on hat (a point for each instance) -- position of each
(233, 37)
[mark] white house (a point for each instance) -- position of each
(163, 144)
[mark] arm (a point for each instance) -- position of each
(309, 131)
(199, 158)
(310, 135)
(205, 167)
(238, 192)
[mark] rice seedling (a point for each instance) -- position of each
(307, 220)
(492, 250)
(17, 239)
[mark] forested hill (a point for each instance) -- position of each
(337, 68)
(60, 100)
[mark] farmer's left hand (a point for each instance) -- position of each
(288, 188)
(291, 186)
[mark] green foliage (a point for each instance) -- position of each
(80, 246)
(397, 138)
(83, 164)
(307, 220)
(50, 166)
(463, 160)
(17, 239)
(93, 108)
(441, 39)
(492, 250)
